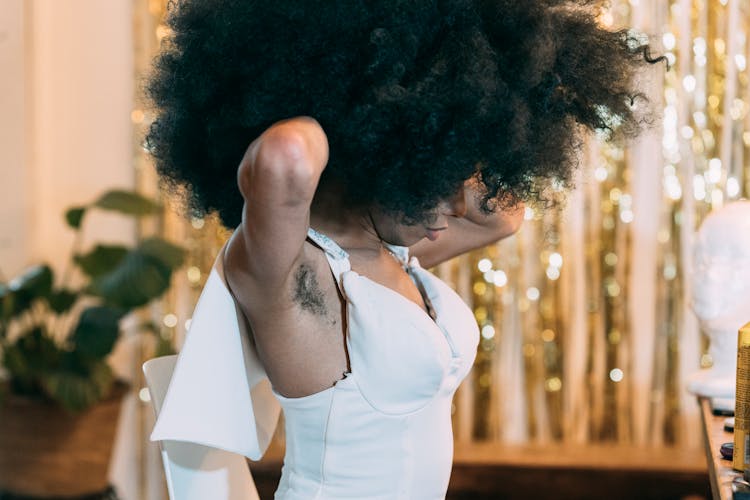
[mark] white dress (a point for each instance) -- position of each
(383, 431)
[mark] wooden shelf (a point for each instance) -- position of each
(497, 471)
(719, 470)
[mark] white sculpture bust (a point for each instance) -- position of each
(721, 294)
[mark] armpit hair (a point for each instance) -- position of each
(307, 292)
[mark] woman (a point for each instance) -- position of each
(375, 139)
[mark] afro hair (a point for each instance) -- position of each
(415, 96)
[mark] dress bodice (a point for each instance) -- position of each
(384, 431)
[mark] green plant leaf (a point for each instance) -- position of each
(171, 255)
(127, 202)
(101, 375)
(39, 349)
(35, 283)
(27, 359)
(15, 362)
(74, 216)
(136, 281)
(96, 332)
(73, 392)
(62, 300)
(101, 260)
(7, 302)
(76, 392)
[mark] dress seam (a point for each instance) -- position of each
(325, 446)
(408, 478)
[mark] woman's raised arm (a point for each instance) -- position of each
(277, 177)
(473, 230)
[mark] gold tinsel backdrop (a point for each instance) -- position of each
(586, 330)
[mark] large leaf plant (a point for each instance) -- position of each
(54, 338)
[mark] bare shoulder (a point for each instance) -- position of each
(277, 177)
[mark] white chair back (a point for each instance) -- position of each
(196, 472)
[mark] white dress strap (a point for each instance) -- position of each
(401, 254)
(337, 257)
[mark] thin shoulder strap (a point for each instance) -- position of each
(337, 258)
(401, 254)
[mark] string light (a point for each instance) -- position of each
(668, 40)
(144, 395)
(485, 265)
(688, 83)
(197, 222)
(699, 187)
(499, 278)
(610, 259)
(553, 273)
(600, 174)
(194, 274)
(740, 61)
(614, 336)
(170, 320)
(733, 187)
(553, 384)
(616, 375)
(488, 331)
(555, 260)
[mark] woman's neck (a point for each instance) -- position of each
(353, 230)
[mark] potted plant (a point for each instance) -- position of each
(60, 402)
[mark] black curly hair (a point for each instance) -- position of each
(416, 96)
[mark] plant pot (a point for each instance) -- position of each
(47, 452)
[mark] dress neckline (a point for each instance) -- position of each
(399, 253)
(338, 259)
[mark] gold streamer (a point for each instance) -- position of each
(705, 163)
(523, 290)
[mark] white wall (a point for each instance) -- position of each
(14, 169)
(66, 94)
(81, 92)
